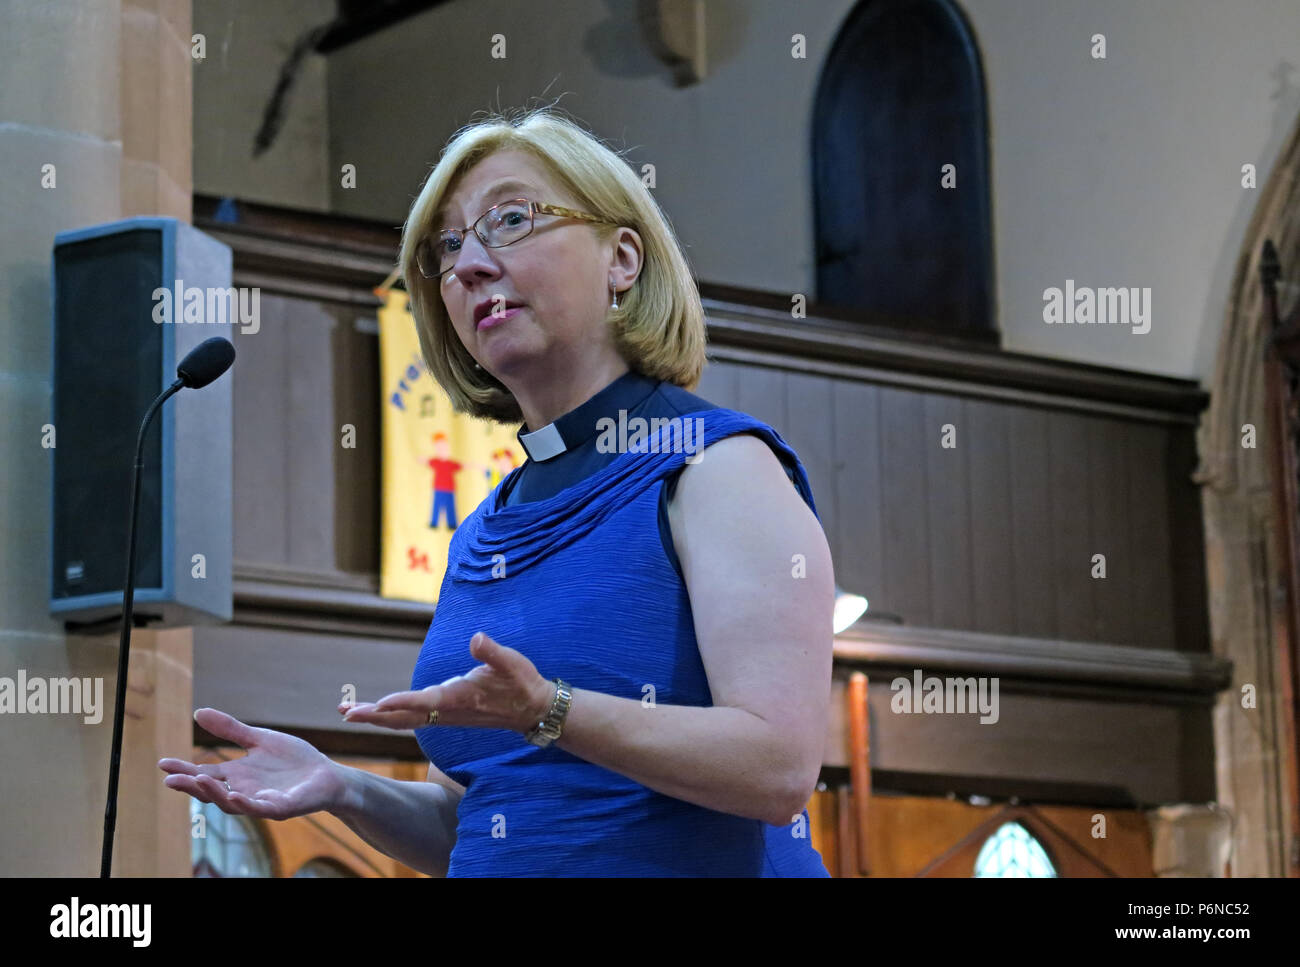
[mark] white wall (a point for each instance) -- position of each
(1117, 172)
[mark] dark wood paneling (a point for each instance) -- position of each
(948, 513)
(1105, 477)
(720, 384)
(294, 680)
(858, 488)
(311, 442)
(1072, 549)
(809, 416)
(906, 590)
(261, 485)
(1153, 594)
(1046, 738)
(357, 471)
(1031, 524)
(1186, 545)
(760, 392)
(993, 577)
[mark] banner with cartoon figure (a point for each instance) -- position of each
(438, 465)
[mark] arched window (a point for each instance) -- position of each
(1013, 851)
(229, 846)
(901, 97)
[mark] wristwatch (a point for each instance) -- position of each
(548, 730)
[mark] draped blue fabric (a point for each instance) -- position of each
(580, 583)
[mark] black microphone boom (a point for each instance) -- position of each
(201, 365)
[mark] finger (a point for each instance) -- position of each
(233, 803)
(227, 727)
(181, 767)
(502, 658)
(401, 719)
(426, 699)
(178, 767)
(345, 708)
(217, 793)
(488, 650)
(187, 785)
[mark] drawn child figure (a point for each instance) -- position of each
(444, 481)
(503, 461)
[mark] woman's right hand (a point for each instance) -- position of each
(282, 776)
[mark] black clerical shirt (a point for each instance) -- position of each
(564, 451)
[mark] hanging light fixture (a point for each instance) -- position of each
(848, 609)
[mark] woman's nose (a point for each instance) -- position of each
(473, 257)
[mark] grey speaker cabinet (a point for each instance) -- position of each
(117, 340)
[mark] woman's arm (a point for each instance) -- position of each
(761, 584)
(413, 822)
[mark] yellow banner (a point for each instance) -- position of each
(438, 465)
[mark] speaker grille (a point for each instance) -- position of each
(108, 368)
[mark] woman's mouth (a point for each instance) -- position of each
(492, 319)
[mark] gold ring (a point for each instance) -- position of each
(433, 717)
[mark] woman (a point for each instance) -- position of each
(628, 671)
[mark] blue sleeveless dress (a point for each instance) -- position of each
(581, 585)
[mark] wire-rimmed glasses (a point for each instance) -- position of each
(499, 226)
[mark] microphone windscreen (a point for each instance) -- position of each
(206, 361)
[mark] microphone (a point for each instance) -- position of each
(201, 365)
(205, 362)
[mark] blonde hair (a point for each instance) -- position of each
(658, 327)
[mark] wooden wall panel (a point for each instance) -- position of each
(261, 480)
(948, 512)
(809, 417)
(1031, 524)
(311, 442)
(858, 491)
(355, 520)
(996, 536)
(1072, 547)
(906, 589)
(1107, 483)
(909, 833)
(1152, 598)
(1127, 751)
(760, 392)
(992, 559)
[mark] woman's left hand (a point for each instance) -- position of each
(505, 692)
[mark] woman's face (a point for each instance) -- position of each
(559, 274)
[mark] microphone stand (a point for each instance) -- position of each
(124, 648)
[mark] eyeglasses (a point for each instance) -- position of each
(499, 226)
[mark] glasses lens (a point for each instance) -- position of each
(508, 222)
(433, 257)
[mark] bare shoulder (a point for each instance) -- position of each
(719, 464)
(737, 493)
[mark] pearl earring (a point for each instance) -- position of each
(615, 291)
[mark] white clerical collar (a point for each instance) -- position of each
(544, 443)
(579, 425)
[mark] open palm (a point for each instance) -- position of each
(282, 776)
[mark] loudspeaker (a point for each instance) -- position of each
(116, 344)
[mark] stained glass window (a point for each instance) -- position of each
(323, 867)
(1013, 851)
(229, 846)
